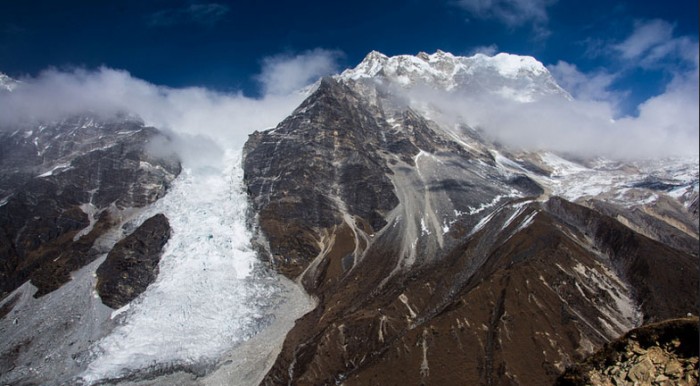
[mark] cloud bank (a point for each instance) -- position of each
(667, 125)
(596, 85)
(200, 118)
(282, 74)
(204, 120)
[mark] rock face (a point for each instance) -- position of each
(440, 258)
(64, 185)
(133, 263)
(664, 353)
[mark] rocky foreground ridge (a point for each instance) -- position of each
(439, 257)
(664, 353)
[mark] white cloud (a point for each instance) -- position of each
(590, 125)
(668, 123)
(284, 73)
(666, 126)
(652, 45)
(646, 36)
(585, 86)
(200, 117)
(489, 50)
(513, 13)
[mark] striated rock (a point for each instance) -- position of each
(132, 265)
(340, 151)
(662, 293)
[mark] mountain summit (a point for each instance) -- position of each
(521, 78)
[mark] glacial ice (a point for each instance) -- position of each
(208, 296)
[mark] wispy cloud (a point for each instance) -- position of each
(513, 13)
(646, 36)
(489, 50)
(205, 14)
(198, 118)
(652, 44)
(594, 86)
(284, 73)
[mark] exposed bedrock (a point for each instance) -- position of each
(132, 265)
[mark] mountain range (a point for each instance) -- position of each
(375, 236)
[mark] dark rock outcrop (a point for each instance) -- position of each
(292, 205)
(63, 185)
(132, 265)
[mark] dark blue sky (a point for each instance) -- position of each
(221, 44)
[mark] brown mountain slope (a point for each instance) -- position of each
(430, 263)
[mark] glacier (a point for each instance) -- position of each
(211, 293)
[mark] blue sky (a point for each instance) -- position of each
(220, 69)
(223, 44)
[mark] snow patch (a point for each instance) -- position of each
(424, 229)
(58, 168)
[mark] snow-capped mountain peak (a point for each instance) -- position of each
(522, 78)
(510, 65)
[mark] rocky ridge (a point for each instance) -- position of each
(133, 263)
(431, 249)
(64, 186)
